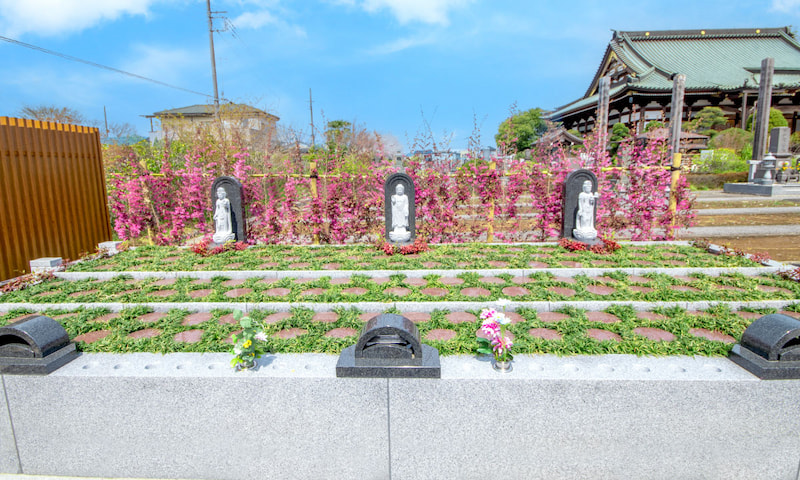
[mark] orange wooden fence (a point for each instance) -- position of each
(53, 199)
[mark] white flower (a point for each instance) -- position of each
(261, 336)
(502, 319)
(503, 303)
(237, 351)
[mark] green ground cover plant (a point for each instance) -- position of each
(217, 331)
(540, 286)
(362, 257)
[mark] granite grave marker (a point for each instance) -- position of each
(389, 347)
(399, 209)
(34, 345)
(229, 215)
(580, 207)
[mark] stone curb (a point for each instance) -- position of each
(773, 267)
(316, 365)
(426, 307)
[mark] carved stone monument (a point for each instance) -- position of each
(399, 210)
(229, 215)
(389, 347)
(34, 345)
(580, 207)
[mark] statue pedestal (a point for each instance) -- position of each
(400, 236)
(221, 239)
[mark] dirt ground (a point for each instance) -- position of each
(733, 220)
(782, 249)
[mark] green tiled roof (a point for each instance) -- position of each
(716, 60)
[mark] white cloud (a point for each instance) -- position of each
(786, 6)
(425, 11)
(165, 64)
(52, 17)
(254, 20)
(401, 44)
(263, 18)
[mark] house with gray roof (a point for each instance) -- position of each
(252, 122)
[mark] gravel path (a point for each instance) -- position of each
(747, 211)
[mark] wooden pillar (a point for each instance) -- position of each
(601, 124)
(676, 112)
(490, 215)
(314, 194)
(678, 87)
(744, 110)
(762, 113)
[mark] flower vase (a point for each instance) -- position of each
(502, 366)
(247, 365)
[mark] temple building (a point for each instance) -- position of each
(722, 69)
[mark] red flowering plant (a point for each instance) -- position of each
(419, 245)
(202, 247)
(162, 191)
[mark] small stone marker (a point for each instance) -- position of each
(779, 147)
(45, 264)
(110, 247)
(580, 207)
(229, 216)
(770, 348)
(389, 347)
(399, 209)
(34, 345)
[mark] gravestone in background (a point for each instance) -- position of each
(399, 209)
(233, 192)
(573, 188)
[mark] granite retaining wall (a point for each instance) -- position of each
(601, 417)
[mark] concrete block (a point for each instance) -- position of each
(594, 417)
(45, 264)
(110, 247)
(9, 460)
(192, 416)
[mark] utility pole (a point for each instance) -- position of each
(213, 59)
(311, 110)
(105, 117)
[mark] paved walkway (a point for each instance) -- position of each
(720, 196)
(748, 211)
(740, 231)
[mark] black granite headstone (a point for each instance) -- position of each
(233, 191)
(34, 345)
(770, 348)
(389, 347)
(573, 186)
(390, 190)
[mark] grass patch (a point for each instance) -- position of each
(572, 329)
(363, 257)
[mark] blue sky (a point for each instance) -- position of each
(393, 66)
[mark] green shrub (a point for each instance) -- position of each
(732, 138)
(776, 119)
(720, 160)
(653, 124)
(708, 121)
(714, 181)
(794, 143)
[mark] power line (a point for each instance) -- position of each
(93, 64)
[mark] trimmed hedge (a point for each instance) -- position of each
(701, 181)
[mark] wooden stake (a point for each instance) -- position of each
(490, 216)
(675, 118)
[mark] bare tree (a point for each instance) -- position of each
(51, 113)
(117, 132)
